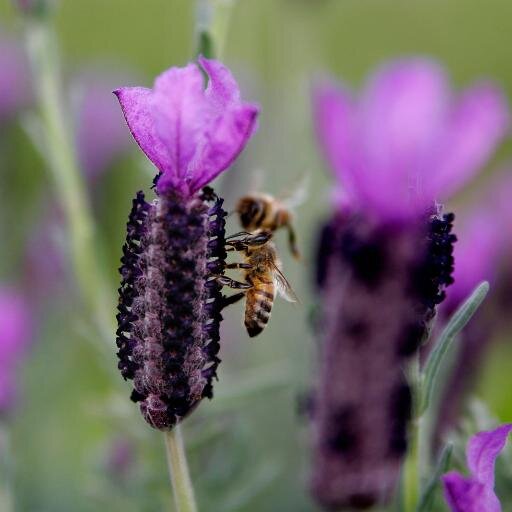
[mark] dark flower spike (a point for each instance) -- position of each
(385, 259)
(170, 301)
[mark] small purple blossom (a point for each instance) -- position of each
(170, 300)
(15, 92)
(407, 140)
(476, 492)
(385, 259)
(15, 332)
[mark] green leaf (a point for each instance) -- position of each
(427, 497)
(205, 45)
(457, 322)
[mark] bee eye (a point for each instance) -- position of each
(251, 210)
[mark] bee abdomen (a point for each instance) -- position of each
(257, 314)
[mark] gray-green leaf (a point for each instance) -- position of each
(457, 322)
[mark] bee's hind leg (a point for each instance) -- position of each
(232, 299)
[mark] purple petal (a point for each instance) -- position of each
(137, 109)
(468, 495)
(222, 88)
(204, 130)
(180, 113)
(477, 124)
(334, 117)
(402, 112)
(482, 450)
(224, 141)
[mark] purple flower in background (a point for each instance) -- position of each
(476, 493)
(384, 260)
(407, 140)
(15, 92)
(100, 129)
(170, 299)
(15, 332)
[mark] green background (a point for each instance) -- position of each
(249, 446)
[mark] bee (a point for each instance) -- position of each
(260, 211)
(263, 278)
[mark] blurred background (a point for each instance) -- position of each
(72, 439)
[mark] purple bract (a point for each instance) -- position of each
(476, 493)
(189, 133)
(407, 140)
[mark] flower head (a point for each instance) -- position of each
(170, 299)
(385, 259)
(407, 140)
(476, 493)
(15, 331)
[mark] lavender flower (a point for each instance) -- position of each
(15, 90)
(384, 260)
(15, 331)
(170, 300)
(476, 493)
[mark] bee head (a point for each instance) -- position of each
(250, 211)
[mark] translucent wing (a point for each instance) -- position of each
(297, 195)
(283, 286)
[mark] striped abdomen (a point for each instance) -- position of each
(259, 300)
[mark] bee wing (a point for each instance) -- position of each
(283, 286)
(298, 195)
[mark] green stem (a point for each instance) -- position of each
(178, 469)
(69, 181)
(6, 498)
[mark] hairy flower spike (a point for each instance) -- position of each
(379, 294)
(170, 301)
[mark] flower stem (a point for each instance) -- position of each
(178, 469)
(69, 182)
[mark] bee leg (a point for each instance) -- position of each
(227, 301)
(240, 233)
(238, 265)
(237, 285)
(292, 242)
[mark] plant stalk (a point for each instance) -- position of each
(178, 469)
(68, 180)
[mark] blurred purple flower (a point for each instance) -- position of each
(170, 299)
(407, 141)
(15, 90)
(120, 458)
(191, 135)
(100, 127)
(476, 493)
(385, 259)
(15, 332)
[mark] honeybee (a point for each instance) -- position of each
(260, 211)
(263, 278)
